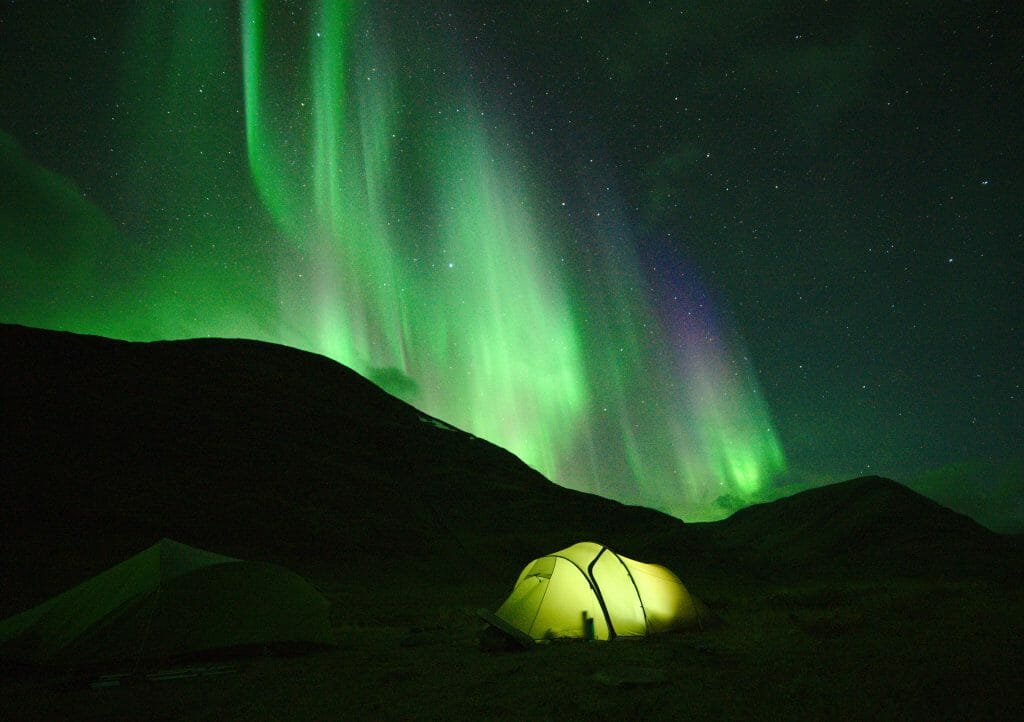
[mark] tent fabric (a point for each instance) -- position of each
(169, 600)
(557, 593)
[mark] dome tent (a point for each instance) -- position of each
(562, 594)
(170, 600)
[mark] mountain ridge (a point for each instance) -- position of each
(254, 449)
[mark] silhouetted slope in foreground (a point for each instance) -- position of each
(264, 451)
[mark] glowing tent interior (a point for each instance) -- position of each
(589, 591)
(169, 600)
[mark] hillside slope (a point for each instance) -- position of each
(869, 523)
(260, 450)
(263, 451)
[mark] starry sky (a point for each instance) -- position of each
(691, 255)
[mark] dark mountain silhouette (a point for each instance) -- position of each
(252, 448)
(865, 521)
(260, 450)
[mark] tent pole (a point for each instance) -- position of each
(597, 593)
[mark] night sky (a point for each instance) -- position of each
(691, 255)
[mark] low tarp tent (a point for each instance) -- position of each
(590, 591)
(168, 601)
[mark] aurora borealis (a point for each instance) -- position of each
(539, 229)
(429, 263)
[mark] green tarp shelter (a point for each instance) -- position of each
(170, 600)
(589, 591)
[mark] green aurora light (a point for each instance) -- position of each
(364, 205)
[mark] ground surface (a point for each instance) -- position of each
(895, 649)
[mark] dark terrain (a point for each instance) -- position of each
(854, 601)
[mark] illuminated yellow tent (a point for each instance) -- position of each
(589, 591)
